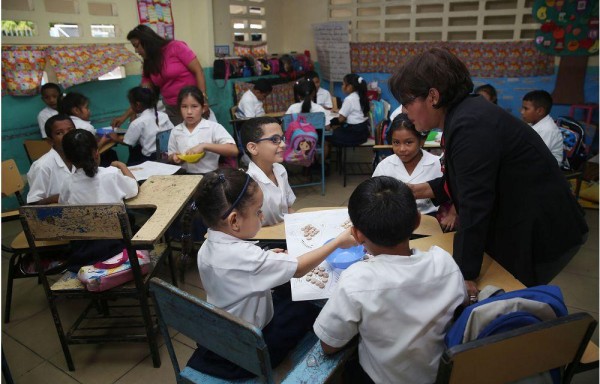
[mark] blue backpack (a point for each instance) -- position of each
(508, 311)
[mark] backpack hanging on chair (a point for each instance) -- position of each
(301, 139)
(574, 148)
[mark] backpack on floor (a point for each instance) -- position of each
(574, 148)
(301, 140)
(508, 311)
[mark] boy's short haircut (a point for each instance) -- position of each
(51, 86)
(252, 130)
(264, 86)
(53, 119)
(311, 75)
(384, 210)
(539, 99)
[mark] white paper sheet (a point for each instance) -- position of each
(152, 168)
(330, 223)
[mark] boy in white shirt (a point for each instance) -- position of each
(251, 102)
(51, 96)
(535, 111)
(48, 173)
(323, 95)
(399, 302)
(263, 141)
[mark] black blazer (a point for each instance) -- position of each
(512, 199)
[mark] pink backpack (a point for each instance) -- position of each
(301, 139)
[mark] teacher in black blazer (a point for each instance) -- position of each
(511, 197)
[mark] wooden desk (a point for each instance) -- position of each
(429, 226)
(169, 195)
(493, 273)
(106, 147)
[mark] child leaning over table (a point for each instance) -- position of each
(263, 141)
(399, 302)
(239, 276)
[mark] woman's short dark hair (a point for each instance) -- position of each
(218, 191)
(435, 68)
(252, 130)
(79, 146)
(384, 210)
(152, 43)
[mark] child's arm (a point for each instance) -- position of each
(313, 258)
(291, 210)
(102, 141)
(117, 121)
(328, 349)
(123, 168)
(227, 149)
(116, 137)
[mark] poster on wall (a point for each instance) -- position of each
(332, 42)
(157, 15)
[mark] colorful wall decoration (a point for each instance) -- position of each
(157, 15)
(255, 50)
(569, 27)
(502, 59)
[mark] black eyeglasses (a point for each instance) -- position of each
(275, 139)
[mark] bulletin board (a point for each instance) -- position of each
(157, 15)
(332, 42)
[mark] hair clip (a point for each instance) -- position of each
(360, 79)
(221, 177)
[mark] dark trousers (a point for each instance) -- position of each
(291, 321)
(136, 157)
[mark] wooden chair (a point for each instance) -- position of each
(318, 121)
(162, 146)
(36, 149)
(104, 319)
(236, 340)
(236, 124)
(13, 184)
(519, 353)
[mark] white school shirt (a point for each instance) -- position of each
(277, 198)
(206, 131)
(43, 116)
(46, 176)
(83, 124)
(249, 106)
(401, 306)
(314, 107)
(550, 133)
(396, 112)
(324, 98)
(212, 116)
(144, 129)
(108, 186)
(238, 276)
(427, 169)
(352, 110)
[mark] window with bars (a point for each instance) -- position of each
(248, 20)
(441, 20)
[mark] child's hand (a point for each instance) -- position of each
(176, 159)
(113, 136)
(197, 149)
(118, 164)
(345, 239)
(103, 140)
(278, 250)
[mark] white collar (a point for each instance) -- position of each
(261, 176)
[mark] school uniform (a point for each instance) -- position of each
(428, 168)
(277, 198)
(142, 131)
(400, 306)
(108, 186)
(324, 98)
(43, 116)
(83, 124)
(355, 130)
(314, 108)
(46, 176)
(238, 277)
(212, 116)
(550, 133)
(206, 131)
(249, 106)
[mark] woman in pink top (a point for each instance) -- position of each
(169, 65)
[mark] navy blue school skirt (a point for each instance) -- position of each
(349, 135)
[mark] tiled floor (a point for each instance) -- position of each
(34, 355)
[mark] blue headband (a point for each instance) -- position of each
(237, 200)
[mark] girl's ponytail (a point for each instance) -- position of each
(80, 148)
(304, 89)
(360, 87)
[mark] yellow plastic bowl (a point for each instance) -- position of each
(192, 158)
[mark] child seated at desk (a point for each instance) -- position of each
(304, 93)
(399, 302)
(91, 184)
(535, 111)
(263, 141)
(141, 133)
(51, 96)
(323, 96)
(411, 164)
(48, 173)
(197, 135)
(238, 276)
(251, 102)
